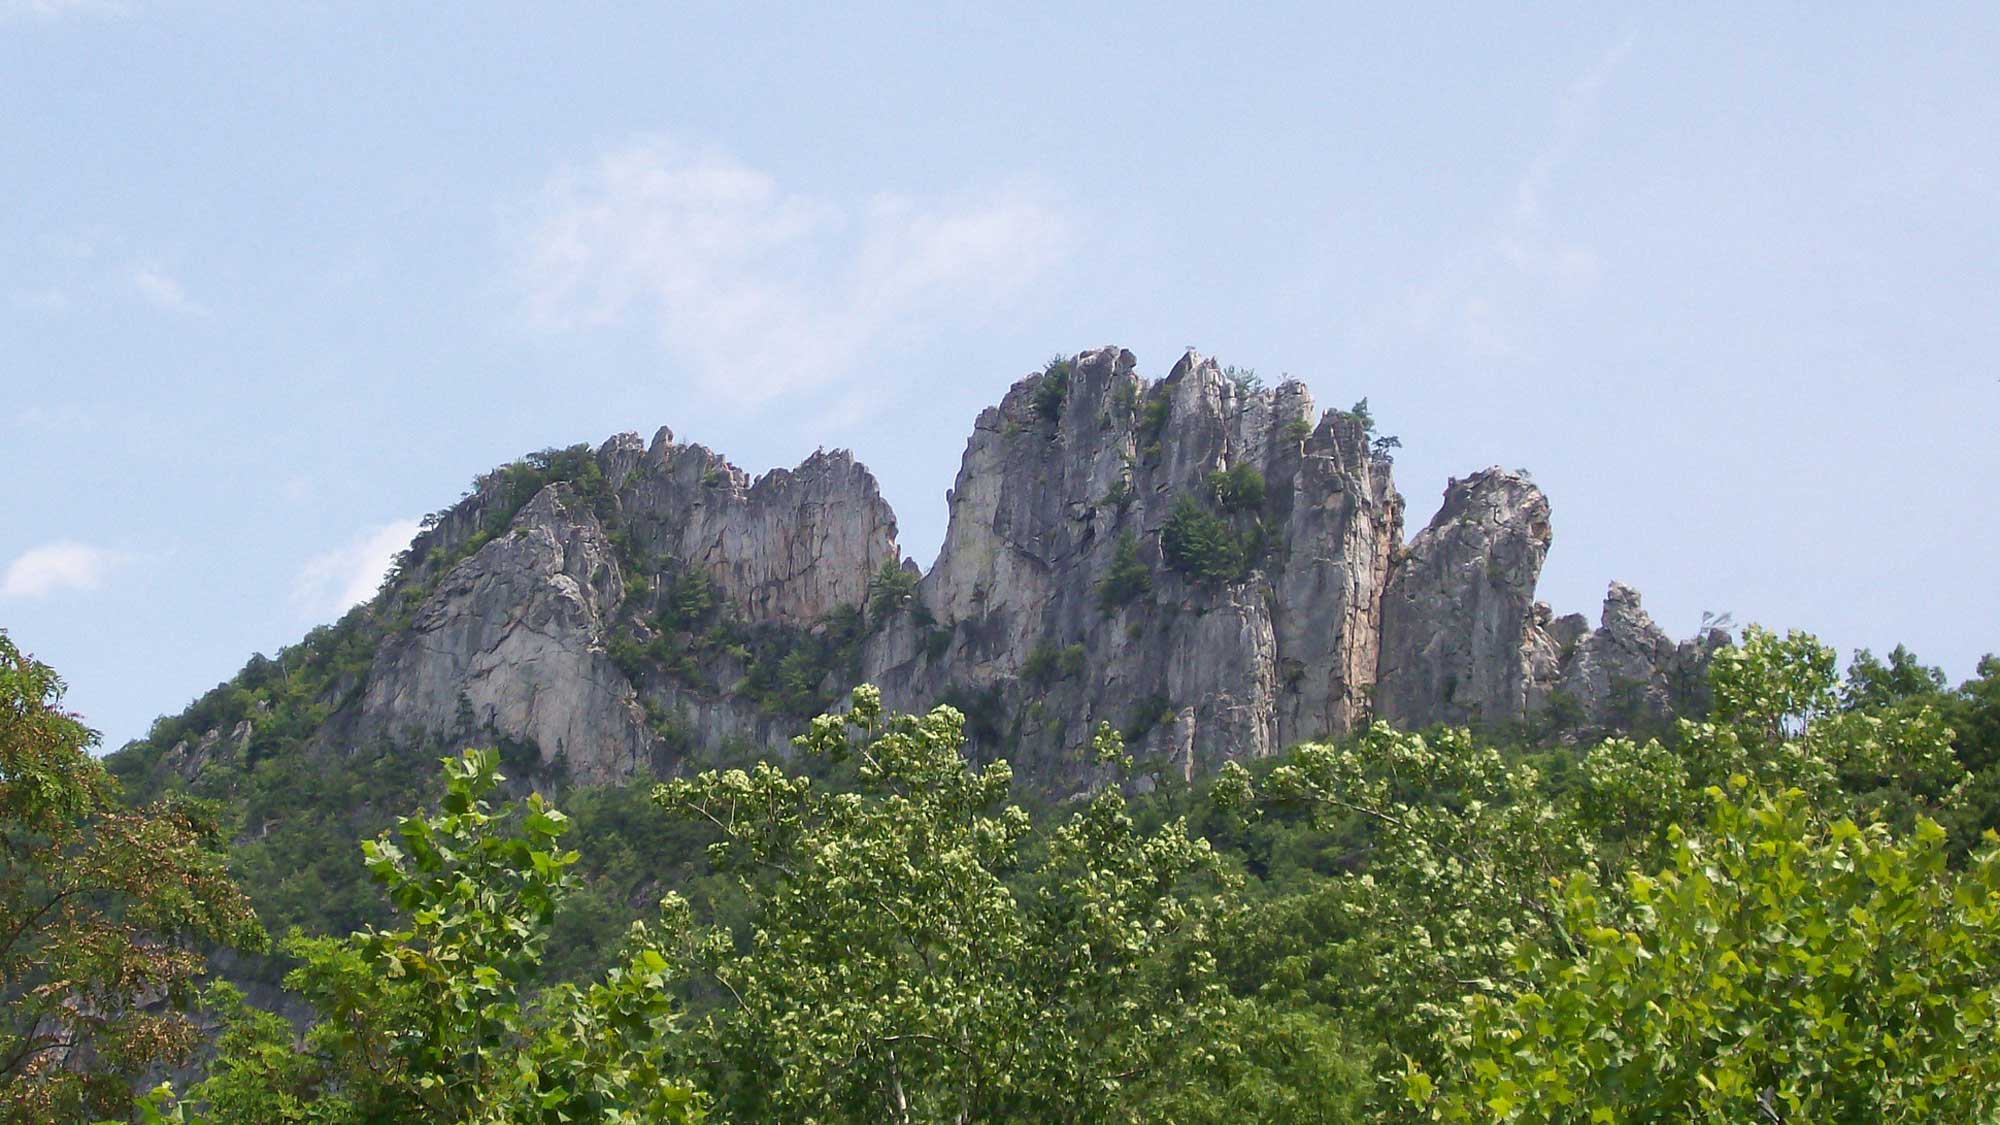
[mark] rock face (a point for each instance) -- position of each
(1623, 674)
(512, 643)
(1464, 641)
(1210, 566)
(787, 548)
(515, 640)
(1075, 463)
(1459, 609)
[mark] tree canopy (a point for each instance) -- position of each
(100, 909)
(1785, 911)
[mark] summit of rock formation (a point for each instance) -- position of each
(1213, 567)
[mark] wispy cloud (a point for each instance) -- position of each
(349, 574)
(760, 290)
(78, 272)
(62, 419)
(57, 9)
(1487, 300)
(66, 565)
(161, 290)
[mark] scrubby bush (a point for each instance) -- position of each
(1127, 578)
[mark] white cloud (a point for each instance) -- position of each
(760, 290)
(56, 9)
(67, 565)
(61, 419)
(350, 574)
(161, 290)
(1487, 300)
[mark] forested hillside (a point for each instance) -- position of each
(1785, 911)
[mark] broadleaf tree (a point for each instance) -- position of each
(436, 1019)
(105, 911)
(916, 951)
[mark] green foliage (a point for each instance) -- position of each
(688, 601)
(984, 712)
(937, 642)
(801, 672)
(1148, 714)
(519, 482)
(284, 699)
(1208, 547)
(1119, 496)
(1126, 579)
(1359, 412)
(1237, 489)
(1516, 932)
(1199, 543)
(1154, 413)
(1462, 858)
(1275, 1063)
(1298, 429)
(888, 972)
(1244, 379)
(786, 670)
(1872, 685)
(1452, 884)
(1773, 685)
(1125, 395)
(627, 654)
(1052, 388)
(431, 1021)
(1048, 662)
(890, 591)
(100, 906)
(1783, 966)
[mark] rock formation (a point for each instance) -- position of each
(1194, 670)
(1210, 566)
(1458, 612)
(512, 642)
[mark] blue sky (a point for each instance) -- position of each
(277, 279)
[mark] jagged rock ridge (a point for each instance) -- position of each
(1195, 670)
(1202, 562)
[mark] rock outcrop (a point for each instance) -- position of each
(514, 640)
(1626, 673)
(1465, 641)
(1214, 568)
(1457, 618)
(786, 548)
(1084, 461)
(512, 643)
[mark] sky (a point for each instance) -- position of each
(278, 279)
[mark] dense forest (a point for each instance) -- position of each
(1788, 910)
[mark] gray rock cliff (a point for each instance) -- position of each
(516, 639)
(512, 643)
(1459, 608)
(1214, 568)
(1193, 669)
